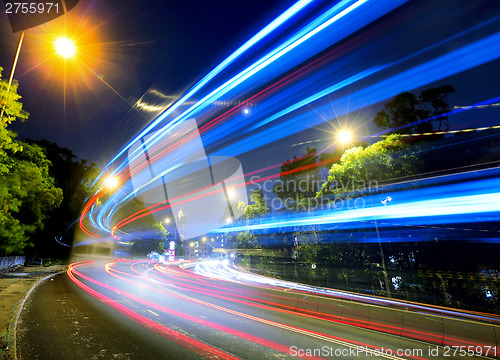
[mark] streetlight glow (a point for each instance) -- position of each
(344, 136)
(167, 220)
(111, 182)
(65, 47)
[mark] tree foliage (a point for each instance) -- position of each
(407, 114)
(245, 240)
(146, 234)
(361, 167)
(258, 207)
(75, 177)
(12, 110)
(299, 179)
(152, 238)
(435, 103)
(27, 195)
(27, 191)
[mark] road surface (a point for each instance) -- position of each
(143, 310)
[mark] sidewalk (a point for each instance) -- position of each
(14, 286)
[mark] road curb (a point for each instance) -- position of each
(11, 332)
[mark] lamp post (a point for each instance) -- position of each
(191, 249)
(384, 268)
(345, 137)
(168, 221)
(11, 76)
(21, 21)
(63, 47)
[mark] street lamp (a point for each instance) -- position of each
(65, 47)
(111, 182)
(231, 193)
(344, 136)
(167, 220)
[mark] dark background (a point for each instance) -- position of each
(137, 43)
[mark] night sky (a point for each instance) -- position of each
(134, 46)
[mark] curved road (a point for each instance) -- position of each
(144, 310)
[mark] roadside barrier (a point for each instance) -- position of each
(10, 261)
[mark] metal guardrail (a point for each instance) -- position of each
(34, 261)
(10, 261)
(445, 331)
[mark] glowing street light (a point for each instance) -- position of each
(167, 220)
(111, 182)
(344, 136)
(230, 193)
(65, 47)
(204, 239)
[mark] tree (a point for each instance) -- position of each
(245, 240)
(13, 110)
(27, 191)
(361, 168)
(405, 113)
(160, 234)
(435, 103)
(299, 180)
(400, 112)
(145, 233)
(259, 206)
(75, 178)
(152, 238)
(27, 195)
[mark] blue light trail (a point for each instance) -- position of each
(447, 201)
(324, 63)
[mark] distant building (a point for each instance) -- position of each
(203, 248)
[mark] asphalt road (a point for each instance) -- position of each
(136, 311)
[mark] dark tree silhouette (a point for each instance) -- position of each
(407, 114)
